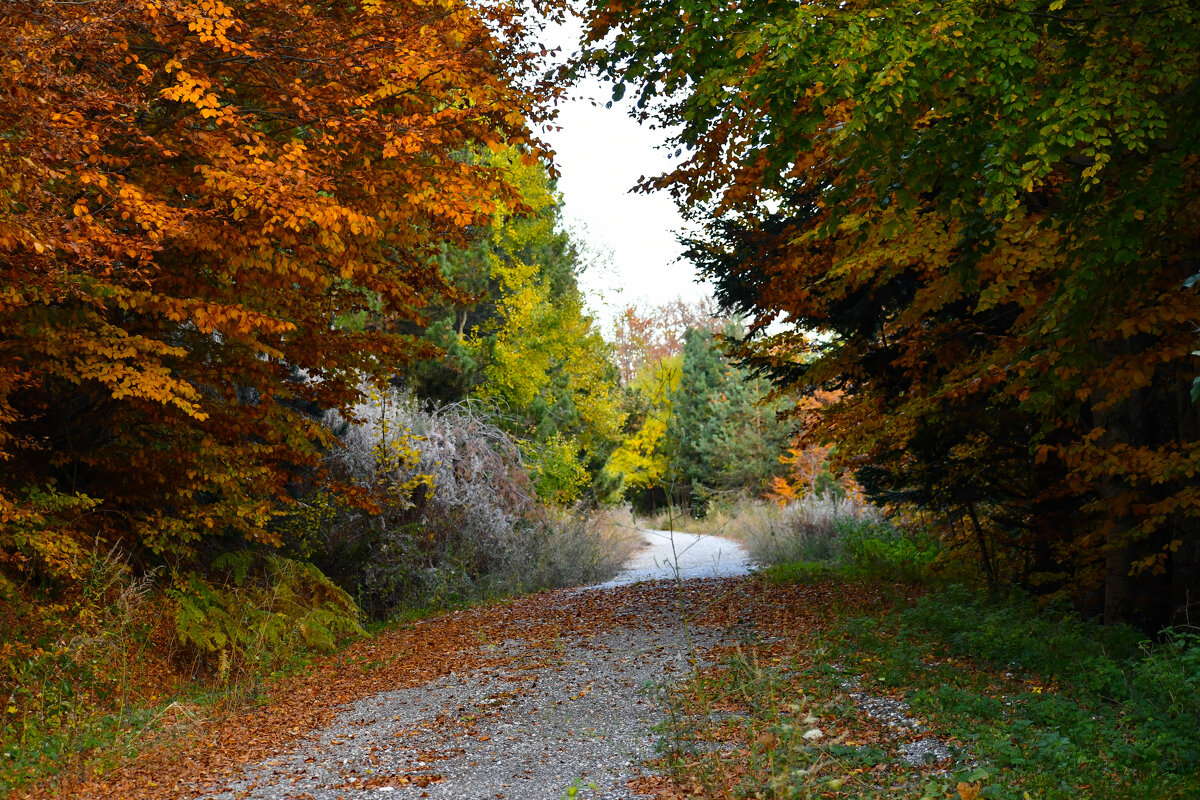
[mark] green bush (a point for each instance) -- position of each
(1138, 700)
(877, 548)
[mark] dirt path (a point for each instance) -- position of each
(575, 710)
(522, 700)
(668, 555)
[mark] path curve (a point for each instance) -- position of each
(674, 554)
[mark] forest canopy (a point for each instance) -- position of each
(978, 223)
(192, 196)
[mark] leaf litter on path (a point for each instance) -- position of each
(523, 699)
(446, 697)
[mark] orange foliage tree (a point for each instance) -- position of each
(807, 461)
(979, 221)
(191, 193)
(645, 336)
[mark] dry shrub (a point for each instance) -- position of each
(617, 527)
(459, 519)
(672, 518)
(583, 547)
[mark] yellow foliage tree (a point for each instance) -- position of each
(547, 366)
(643, 459)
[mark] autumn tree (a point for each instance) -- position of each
(646, 334)
(807, 464)
(192, 193)
(977, 221)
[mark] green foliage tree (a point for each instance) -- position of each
(700, 427)
(517, 335)
(978, 219)
(648, 345)
(728, 432)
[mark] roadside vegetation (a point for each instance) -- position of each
(947, 692)
(916, 679)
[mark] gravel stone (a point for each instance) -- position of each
(575, 712)
(924, 751)
(894, 714)
(891, 712)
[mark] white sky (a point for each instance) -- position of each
(628, 239)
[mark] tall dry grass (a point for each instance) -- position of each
(810, 529)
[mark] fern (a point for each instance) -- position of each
(269, 608)
(238, 563)
(201, 621)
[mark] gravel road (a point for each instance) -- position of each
(546, 715)
(671, 553)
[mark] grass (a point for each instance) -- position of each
(1014, 733)
(1033, 704)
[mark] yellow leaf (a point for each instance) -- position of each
(968, 791)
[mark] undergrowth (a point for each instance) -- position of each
(83, 670)
(1025, 703)
(94, 670)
